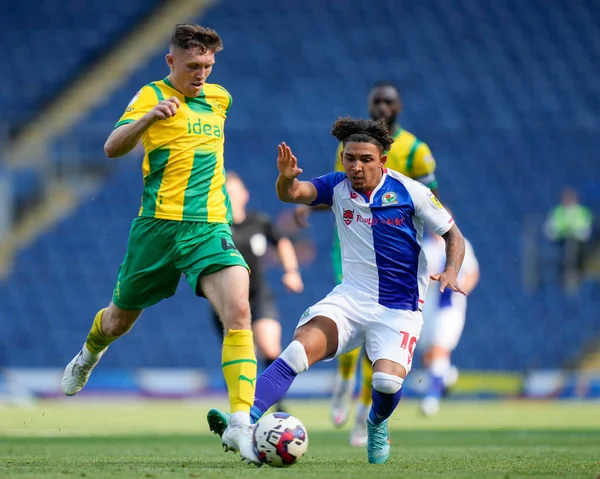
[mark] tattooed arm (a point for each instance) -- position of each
(455, 252)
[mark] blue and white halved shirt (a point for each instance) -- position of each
(381, 235)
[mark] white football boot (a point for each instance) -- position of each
(359, 436)
(77, 373)
(238, 437)
(430, 406)
(341, 399)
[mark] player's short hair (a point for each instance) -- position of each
(192, 35)
(359, 130)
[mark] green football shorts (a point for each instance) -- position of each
(159, 251)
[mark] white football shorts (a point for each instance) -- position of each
(443, 327)
(386, 333)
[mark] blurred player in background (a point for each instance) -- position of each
(183, 223)
(411, 157)
(252, 233)
(444, 315)
(380, 216)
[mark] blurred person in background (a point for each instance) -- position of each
(252, 233)
(411, 157)
(183, 223)
(444, 315)
(569, 225)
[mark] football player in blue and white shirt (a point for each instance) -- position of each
(380, 216)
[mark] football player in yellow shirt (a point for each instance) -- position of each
(411, 157)
(183, 222)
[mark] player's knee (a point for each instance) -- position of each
(237, 314)
(295, 357)
(241, 311)
(387, 383)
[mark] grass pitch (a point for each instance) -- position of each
(169, 439)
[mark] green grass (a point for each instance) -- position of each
(161, 439)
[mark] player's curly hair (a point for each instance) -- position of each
(192, 35)
(359, 130)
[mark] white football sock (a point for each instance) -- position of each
(240, 418)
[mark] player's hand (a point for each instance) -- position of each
(287, 162)
(293, 281)
(301, 215)
(165, 109)
(448, 279)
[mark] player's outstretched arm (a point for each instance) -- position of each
(124, 138)
(455, 253)
(289, 189)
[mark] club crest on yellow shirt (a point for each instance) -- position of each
(216, 105)
(130, 108)
(134, 99)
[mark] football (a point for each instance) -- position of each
(280, 439)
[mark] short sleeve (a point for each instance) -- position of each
(143, 101)
(325, 185)
(423, 169)
(338, 159)
(225, 99)
(429, 209)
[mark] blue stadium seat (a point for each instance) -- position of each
(45, 45)
(28, 188)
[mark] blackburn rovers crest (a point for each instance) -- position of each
(389, 198)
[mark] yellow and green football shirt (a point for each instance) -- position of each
(409, 156)
(184, 176)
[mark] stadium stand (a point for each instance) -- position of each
(504, 92)
(44, 47)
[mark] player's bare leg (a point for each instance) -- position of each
(109, 324)
(227, 291)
